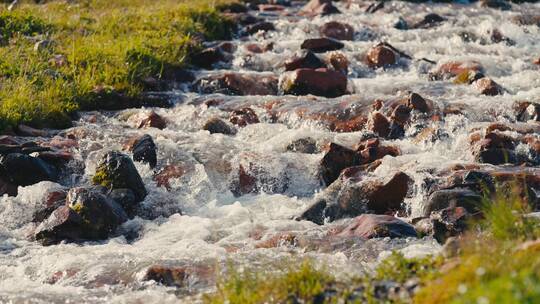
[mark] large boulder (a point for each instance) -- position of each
(321, 45)
(116, 171)
(144, 151)
(88, 215)
(370, 226)
(24, 170)
(320, 82)
(457, 197)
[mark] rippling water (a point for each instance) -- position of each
(216, 227)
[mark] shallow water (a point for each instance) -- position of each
(216, 228)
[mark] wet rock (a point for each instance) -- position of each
(153, 120)
(430, 20)
(381, 56)
(370, 226)
(306, 145)
(169, 172)
(260, 26)
(238, 84)
(497, 4)
(497, 156)
(371, 150)
(304, 59)
(320, 82)
(401, 114)
(537, 61)
(51, 201)
(336, 160)
(497, 37)
(145, 151)
(253, 178)
(216, 125)
(126, 199)
(321, 45)
(179, 276)
(337, 30)
(374, 7)
(487, 86)
(259, 49)
(8, 188)
(116, 171)
(526, 19)
(451, 198)
(401, 24)
(271, 8)
(232, 8)
(24, 170)
(526, 111)
(63, 224)
(449, 222)
(379, 124)
(418, 103)
(454, 68)
(208, 57)
(319, 8)
(243, 117)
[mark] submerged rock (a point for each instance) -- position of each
(336, 160)
(179, 276)
(378, 226)
(320, 82)
(216, 125)
(153, 120)
(243, 117)
(238, 84)
(303, 145)
(304, 59)
(487, 86)
(116, 171)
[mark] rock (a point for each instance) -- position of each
(497, 156)
(526, 19)
(321, 45)
(497, 37)
(63, 224)
(179, 276)
(339, 62)
(454, 68)
(430, 20)
(418, 103)
(254, 178)
(337, 30)
(8, 188)
(52, 200)
(497, 4)
(449, 222)
(319, 8)
(537, 61)
(116, 171)
(126, 199)
(381, 56)
(144, 151)
(271, 8)
(370, 226)
(24, 170)
(379, 124)
(526, 111)
(303, 145)
(451, 198)
(372, 150)
(336, 160)
(259, 49)
(216, 125)
(238, 84)
(374, 7)
(208, 57)
(487, 86)
(260, 26)
(320, 82)
(304, 59)
(153, 120)
(232, 8)
(243, 117)
(169, 172)
(401, 115)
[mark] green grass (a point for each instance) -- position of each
(103, 49)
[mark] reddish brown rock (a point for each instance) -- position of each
(339, 62)
(153, 120)
(418, 103)
(337, 30)
(381, 56)
(526, 19)
(454, 68)
(379, 124)
(259, 49)
(208, 57)
(321, 45)
(372, 150)
(243, 117)
(319, 8)
(169, 172)
(370, 226)
(320, 82)
(336, 160)
(401, 114)
(179, 276)
(487, 86)
(537, 61)
(304, 59)
(216, 125)
(271, 8)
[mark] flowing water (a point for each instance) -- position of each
(215, 228)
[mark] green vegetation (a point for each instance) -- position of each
(399, 269)
(61, 56)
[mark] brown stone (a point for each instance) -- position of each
(321, 45)
(337, 30)
(487, 86)
(243, 117)
(304, 59)
(379, 124)
(260, 26)
(320, 82)
(153, 120)
(336, 160)
(238, 84)
(169, 172)
(179, 276)
(370, 226)
(319, 8)
(381, 56)
(417, 102)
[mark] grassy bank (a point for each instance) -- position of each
(61, 56)
(497, 261)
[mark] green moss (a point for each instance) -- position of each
(304, 283)
(95, 44)
(103, 178)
